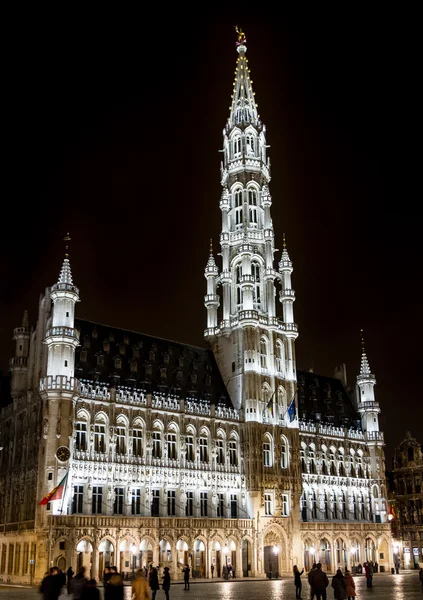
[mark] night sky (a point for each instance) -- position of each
(112, 130)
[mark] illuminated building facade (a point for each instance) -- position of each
(177, 454)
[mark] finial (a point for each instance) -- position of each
(242, 39)
(362, 341)
(211, 246)
(67, 239)
(284, 241)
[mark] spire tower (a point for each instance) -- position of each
(261, 343)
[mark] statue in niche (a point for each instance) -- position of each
(45, 427)
(90, 491)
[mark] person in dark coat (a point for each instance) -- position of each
(51, 585)
(69, 575)
(339, 586)
(297, 581)
(153, 580)
(310, 575)
(186, 577)
(91, 591)
(166, 582)
(319, 582)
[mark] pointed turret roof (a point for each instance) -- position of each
(244, 109)
(65, 281)
(285, 262)
(211, 266)
(364, 367)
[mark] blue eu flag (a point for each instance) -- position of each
(291, 411)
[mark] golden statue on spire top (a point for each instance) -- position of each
(242, 38)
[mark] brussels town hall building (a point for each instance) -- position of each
(175, 454)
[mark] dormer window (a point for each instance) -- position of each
(118, 362)
(122, 349)
(100, 359)
(152, 355)
(135, 352)
(87, 342)
(126, 339)
(94, 332)
(83, 355)
(106, 346)
(133, 365)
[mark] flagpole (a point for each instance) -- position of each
(64, 492)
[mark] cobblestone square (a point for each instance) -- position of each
(405, 586)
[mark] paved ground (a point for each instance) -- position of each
(405, 586)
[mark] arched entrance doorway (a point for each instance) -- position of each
(355, 553)
(324, 555)
(84, 551)
(199, 566)
(165, 558)
(246, 558)
(106, 556)
(182, 555)
(146, 553)
(61, 563)
(216, 558)
(309, 555)
(273, 553)
(370, 550)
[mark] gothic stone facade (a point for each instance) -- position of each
(408, 502)
(177, 454)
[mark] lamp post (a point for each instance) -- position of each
(134, 552)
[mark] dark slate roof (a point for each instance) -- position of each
(5, 396)
(325, 399)
(125, 358)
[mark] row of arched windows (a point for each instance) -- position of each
(338, 504)
(333, 461)
(158, 442)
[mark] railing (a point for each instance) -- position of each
(367, 405)
(374, 436)
(247, 315)
(286, 294)
(94, 392)
(60, 383)
(211, 299)
(17, 526)
(197, 408)
(167, 402)
(330, 430)
(18, 361)
(66, 287)
(63, 332)
(106, 521)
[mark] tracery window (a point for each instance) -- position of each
(99, 437)
(279, 357)
(233, 460)
(171, 446)
(189, 440)
(81, 436)
(284, 454)
(237, 146)
(267, 451)
(250, 144)
(137, 442)
(220, 452)
(255, 272)
(204, 451)
(120, 440)
(238, 272)
(263, 353)
(156, 443)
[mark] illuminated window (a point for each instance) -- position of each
(220, 453)
(237, 147)
(238, 208)
(171, 445)
(232, 454)
(156, 444)
(263, 353)
(137, 442)
(268, 508)
(252, 206)
(190, 447)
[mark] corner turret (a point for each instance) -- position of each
(18, 365)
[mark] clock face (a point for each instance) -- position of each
(63, 453)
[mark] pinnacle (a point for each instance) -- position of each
(25, 322)
(243, 110)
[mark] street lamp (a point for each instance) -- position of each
(134, 551)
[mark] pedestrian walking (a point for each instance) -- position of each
(51, 585)
(91, 591)
(319, 582)
(166, 582)
(140, 587)
(113, 587)
(69, 574)
(212, 570)
(339, 586)
(312, 592)
(369, 575)
(350, 585)
(153, 580)
(297, 581)
(78, 583)
(186, 577)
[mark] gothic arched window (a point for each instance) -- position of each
(284, 453)
(255, 272)
(252, 206)
(238, 276)
(279, 357)
(250, 145)
(238, 208)
(237, 146)
(263, 353)
(267, 451)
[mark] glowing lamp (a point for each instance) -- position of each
(353, 550)
(312, 550)
(276, 550)
(225, 549)
(134, 549)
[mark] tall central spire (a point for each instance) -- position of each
(243, 110)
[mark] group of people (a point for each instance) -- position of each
(343, 585)
(80, 586)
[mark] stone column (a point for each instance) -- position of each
(238, 571)
(94, 562)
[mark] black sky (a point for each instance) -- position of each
(112, 131)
